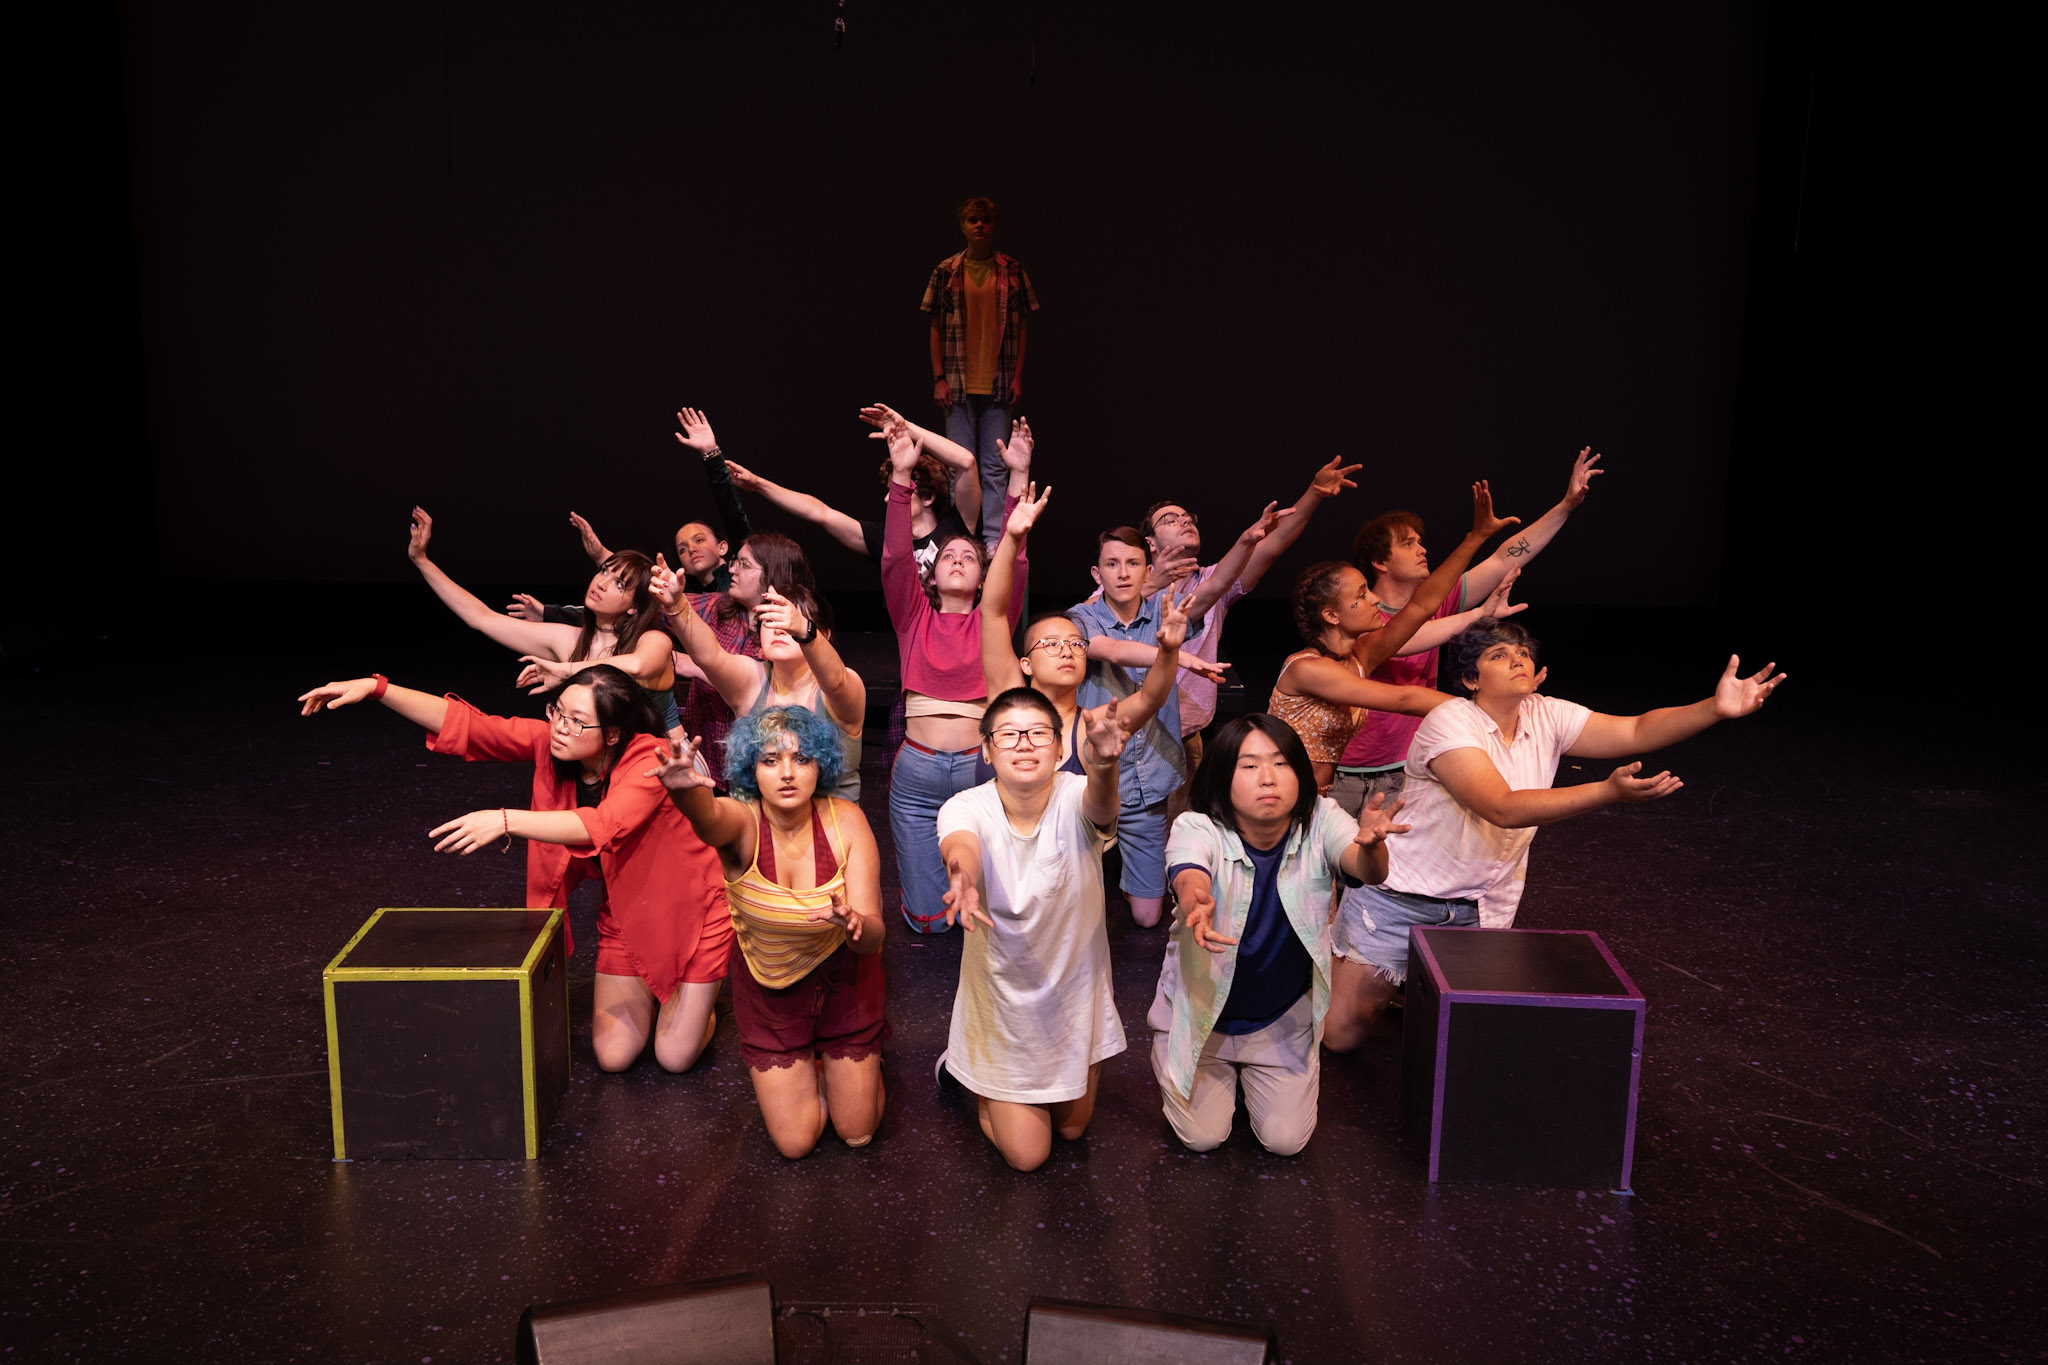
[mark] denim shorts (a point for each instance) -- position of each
(1373, 922)
(1354, 787)
(1141, 838)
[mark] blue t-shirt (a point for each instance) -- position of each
(1274, 970)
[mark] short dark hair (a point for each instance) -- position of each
(1145, 523)
(1123, 535)
(1209, 793)
(1030, 698)
(979, 203)
(1375, 540)
(1462, 650)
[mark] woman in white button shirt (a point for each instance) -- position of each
(1479, 782)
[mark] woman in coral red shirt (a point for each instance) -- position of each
(664, 931)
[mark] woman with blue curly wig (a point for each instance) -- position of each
(804, 881)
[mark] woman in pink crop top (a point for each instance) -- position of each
(938, 638)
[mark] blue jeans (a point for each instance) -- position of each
(919, 783)
(1372, 926)
(978, 421)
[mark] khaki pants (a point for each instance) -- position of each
(1280, 1068)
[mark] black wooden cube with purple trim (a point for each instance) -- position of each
(1521, 1056)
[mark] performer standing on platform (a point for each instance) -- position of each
(1388, 551)
(1034, 1015)
(804, 881)
(938, 641)
(1479, 782)
(1254, 864)
(979, 301)
(663, 932)
(1322, 692)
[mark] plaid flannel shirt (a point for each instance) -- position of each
(945, 297)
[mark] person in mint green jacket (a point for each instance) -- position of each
(1254, 866)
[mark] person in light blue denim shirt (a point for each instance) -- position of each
(1153, 765)
(1255, 863)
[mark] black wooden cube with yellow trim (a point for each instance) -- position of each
(448, 1033)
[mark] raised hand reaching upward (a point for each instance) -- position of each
(696, 433)
(1024, 515)
(1484, 522)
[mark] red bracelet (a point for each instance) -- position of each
(505, 814)
(377, 692)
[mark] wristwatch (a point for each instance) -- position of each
(810, 632)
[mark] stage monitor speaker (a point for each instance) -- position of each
(728, 1321)
(1057, 1332)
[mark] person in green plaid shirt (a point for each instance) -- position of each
(979, 300)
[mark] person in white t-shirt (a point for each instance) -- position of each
(1479, 775)
(1033, 1017)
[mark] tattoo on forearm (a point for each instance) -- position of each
(1518, 549)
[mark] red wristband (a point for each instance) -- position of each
(377, 692)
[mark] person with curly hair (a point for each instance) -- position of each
(803, 878)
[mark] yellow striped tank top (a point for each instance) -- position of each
(780, 946)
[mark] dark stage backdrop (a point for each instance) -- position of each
(474, 256)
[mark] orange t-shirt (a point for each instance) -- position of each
(984, 327)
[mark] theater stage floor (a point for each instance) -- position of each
(1839, 1153)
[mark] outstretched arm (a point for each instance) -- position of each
(1163, 670)
(721, 822)
(1383, 644)
(815, 510)
(966, 485)
(961, 852)
(1366, 859)
(1228, 569)
(421, 708)
(481, 828)
(1519, 550)
(1470, 777)
(524, 637)
(696, 435)
(846, 696)
(588, 538)
(1734, 697)
(1332, 479)
(736, 678)
(1105, 741)
(1327, 680)
(999, 668)
(1439, 629)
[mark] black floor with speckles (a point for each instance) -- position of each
(1839, 1153)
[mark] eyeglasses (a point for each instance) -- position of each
(1060, 645)
(1037, 737)
(1176, 518)
(562, 721)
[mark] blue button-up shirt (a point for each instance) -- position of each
(1153, 765)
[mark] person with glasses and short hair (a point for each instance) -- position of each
(1034, 1014)
(663, 931)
